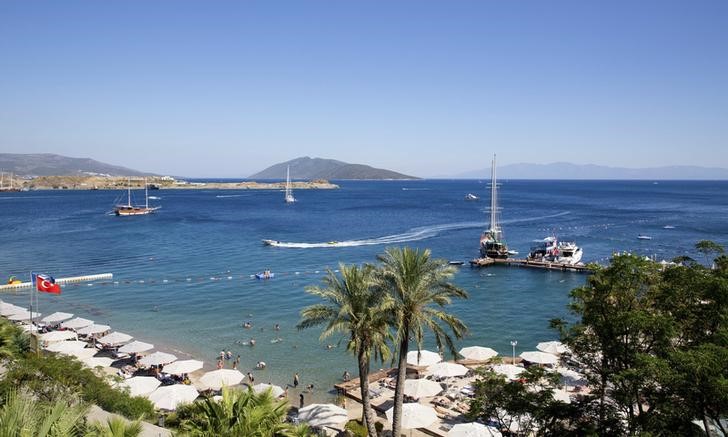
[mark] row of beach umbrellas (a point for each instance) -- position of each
(548, 353)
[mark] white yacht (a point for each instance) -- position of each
(543, 249)
(568, 252)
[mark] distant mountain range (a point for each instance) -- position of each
(565, 170)
(48, 164)
(318, 168)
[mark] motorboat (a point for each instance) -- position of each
(456, 263)
(568, 252)
(265, 275)
(644, 237)
(471, 196)
(543, 249)
(271, 242)
(668, 227)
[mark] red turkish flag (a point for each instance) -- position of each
(47, 284)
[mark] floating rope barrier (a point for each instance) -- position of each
(75, 280)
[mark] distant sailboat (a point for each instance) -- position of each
(289, 191)
(3, 187)
(129, 209)
(492, 244)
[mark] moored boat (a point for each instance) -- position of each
(543, 249)
(128, 209)
(492, 244)
(568, 252)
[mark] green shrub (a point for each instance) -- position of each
(356, 428)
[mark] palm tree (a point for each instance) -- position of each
(239, 412)
(115, 427)
(355, 307)
(419, 285)
(22, 415)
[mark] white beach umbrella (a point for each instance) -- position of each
(93, 329)
(24, 316)
(29, 328)
(508, 370)
(415, 415)
(82, 354)
(421, 388)
(140, 385)
(539, 357)
(135, 347)
(53, 336)
(171, 396)
(446, 370)
(571, 377)
(478, 353)
(78, 322)
(221, 377)
(115, 338)
(7, 309)
(275, 390)
(56, 317)
(157, 358)
(67, 346)
(552, 347)
(473, 429)
(183, 366)
(426, 358)
(93, 362)
(321, 415)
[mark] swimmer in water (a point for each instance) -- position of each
(252, 342)
(278, 327)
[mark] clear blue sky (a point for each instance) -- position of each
(423, 87)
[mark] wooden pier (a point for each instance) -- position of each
(515, 262)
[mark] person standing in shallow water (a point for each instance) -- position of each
(300, 403)
(295, 381)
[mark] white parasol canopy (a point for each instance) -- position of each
(321, 415)
(135, 347)
(446, 370)
(415, 415)
(552, 347)
(508, 370)
(563, 396)
(157, 358)
(221, 377)
(56, 317)
(140, 385)
(23, 316)
(93, 329)
(427, 358)
(571, 377)
(53, 336)
(539, 357)
(93, 362)
(67, 346)
(421, 388)
(182, 367)
(7, 309)
(478, 353)
(76, 323)
(115, 338)
(82, 354)
(473, 429)
(170, 396)
(275, 390)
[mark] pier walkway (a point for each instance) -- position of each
(515, 262)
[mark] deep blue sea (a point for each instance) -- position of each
(182, 277)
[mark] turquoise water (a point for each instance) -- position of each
(182, 277)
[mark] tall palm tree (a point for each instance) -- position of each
(355, 307)
(419, 285)
(239, 412)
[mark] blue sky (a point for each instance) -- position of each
(423, 87)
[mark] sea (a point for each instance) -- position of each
(183, 278)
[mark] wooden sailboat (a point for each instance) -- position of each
(129, 209)
(492, 244)
(289, 191)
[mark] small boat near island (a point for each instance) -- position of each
(289, 191)
(128, 209)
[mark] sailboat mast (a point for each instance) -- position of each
(493, 199)
(146, 194)
(128, 189)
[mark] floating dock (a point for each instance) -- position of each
(514, 262)
(61, 281)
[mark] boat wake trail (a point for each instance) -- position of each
(414, 234)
